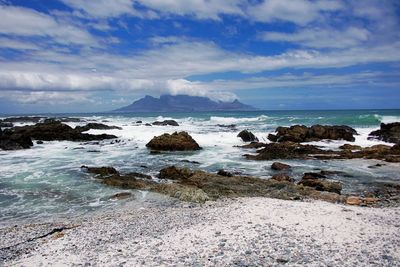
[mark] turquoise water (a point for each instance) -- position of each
(46, 182)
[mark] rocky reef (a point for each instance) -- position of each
(301, 133)
(388, 132)
(96, 126)
(178, 141)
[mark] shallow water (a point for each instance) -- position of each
(46, 182)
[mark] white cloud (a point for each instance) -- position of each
(45, 97)
(321, 38)
(19, 21)
(17, 44)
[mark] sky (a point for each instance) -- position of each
(97, 55)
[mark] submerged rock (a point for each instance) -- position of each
(173, 142)
(96, 126)
(277, 166)
(165, 123)
(101, 171)
(312, 180)
(301, 133)
(389, 132)
(247, 136)
(121, 196)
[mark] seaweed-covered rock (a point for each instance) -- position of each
(389, 132)
(313, 180)
(247, 136)
(96, 126)
(301, 133)
(173, 142)
(166, 123)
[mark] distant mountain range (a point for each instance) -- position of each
(185, 103)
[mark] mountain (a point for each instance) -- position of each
(170, 103)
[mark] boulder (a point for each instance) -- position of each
(301, 133)
(174, 173)
(389, 132)
(282, 177)
(165, 123)
(96, 126)
(224, 173)
(312, 180)
(277, 166)
(173, 142)
(247, 136)
(352, 200)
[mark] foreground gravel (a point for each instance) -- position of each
(241, 232)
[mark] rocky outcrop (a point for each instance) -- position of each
(247, 136)
(301, 133)
(34, 119)
(5, 124)
(282, 177)
(388, 132)
(174, 173)
(101, 171)
(350, 147)
(95, 126)
(313, 180)
(225, 173)
(173, 142)
(12, 141)
(166, 123)
(253, 145)
(277, 166)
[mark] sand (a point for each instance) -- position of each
(239, 232)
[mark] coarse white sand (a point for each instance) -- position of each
(239, 232)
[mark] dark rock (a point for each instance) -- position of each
(389, 132)
(190, 161)
(39, 142)
(6, 124)
(253, 145)
(122, 195)
(138, 122)
(96, 126)
(312, 180)
(247, 136)
(34, 119)
(230, 126)
(101, 171)
(282, 177)
(148, 124)
(224, 173)
(301, 133)
(14, 141)
(173, 142)
(277, 166)
(174, 173)
(165, 123)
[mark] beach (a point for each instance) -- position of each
(236, 232)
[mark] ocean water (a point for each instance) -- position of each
(46, 182)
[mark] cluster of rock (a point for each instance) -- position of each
(388, 132)
(301, 133)
(178, 141)
(165, 123)
(50, 130)
(96, 126)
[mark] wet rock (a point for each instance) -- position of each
(230, 126)
(301, 133)
(101, 171)
(282, 177)
(352, 200)
(139, 122)
(96, 126)
(389, 132)
(253, 145)
(312, 180)
(247, 136)
(350, 147)
(174, 173)
(14, 141)
(39, 142)
(165, 123)
(224, 173)
(286, 150)
(6, 124)
(173, 142)
(190, 161)
(34, 119)
(277, 166)
(121, 196)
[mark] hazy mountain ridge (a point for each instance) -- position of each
(169, 103)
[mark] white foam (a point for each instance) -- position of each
(233, 120)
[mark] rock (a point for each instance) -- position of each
(224, 173)
(173, 142)
(165, 123)
(247, 136)
(101, 171)
(352, 200)
(120, 196)
(350, 147)
(282, 177)
(253, 145)
(313, 175)
(96, 126)
(301, 133)
(312, 180)
(6, 124)
(39, 142)
(14, 141)
(174, 173)
(34, 119)
(190, 161)
(277, 166)
(389, 132)
(139, 122)
(286, 150)
(230, 126)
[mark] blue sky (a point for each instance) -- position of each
(88, 56)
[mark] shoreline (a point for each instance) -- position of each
(241, 231)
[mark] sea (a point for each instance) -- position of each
(46, 183)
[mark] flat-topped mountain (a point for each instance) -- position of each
(170, 103)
